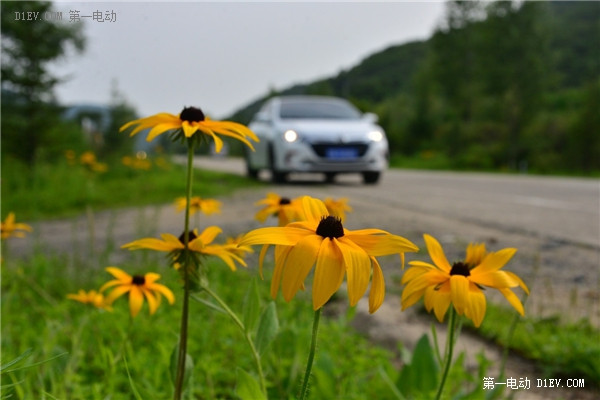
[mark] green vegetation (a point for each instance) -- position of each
(559, 349)
(103, 348)
(500, 85)
(52, 190)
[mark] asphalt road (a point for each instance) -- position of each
(556, 208)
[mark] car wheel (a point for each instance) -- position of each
(276, 175)
(250, 171)
(330, 177)
(371, 177)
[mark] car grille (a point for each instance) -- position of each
(322, 148)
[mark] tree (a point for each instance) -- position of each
(28, 48)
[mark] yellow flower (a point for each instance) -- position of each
(205, 206)
(287, 210)
(199, 243)
(192, 121)
(87, 158)
(233, 243)
(460, 283)
(322, 240)
(138, 287)
(338, 208)
(92, 297)
(9, 228)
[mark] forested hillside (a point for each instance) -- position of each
(503, 85)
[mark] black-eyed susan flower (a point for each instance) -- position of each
(285, 209)
(321, 239)
(198, 243)
(337, 208)
(138, 287)
(92, 297)
(192, 122)
(198, 204)
(461, 283)
(10, 228)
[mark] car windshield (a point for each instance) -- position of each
(317, 110)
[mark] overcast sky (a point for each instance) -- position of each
(220, 56)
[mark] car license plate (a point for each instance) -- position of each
(341, 152)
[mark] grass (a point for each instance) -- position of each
(559, 349)
(97, 350)
(61, 190)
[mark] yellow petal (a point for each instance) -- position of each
(380, 243)
(152, 301)
(329, 273)
(377, 293)
(118, 273)
(518, 281)
(495, 261)
(495, 279)
(358, 269)
(437, 253)
(118, 292)
(162, 128)
(298, 264)
(136, 299)
(154, 244)
(287, 236)
(314, 209)
(459, 290)
(513, 300)
(209, 234)
(281, 253)
(440, 300)
(164, 291)
(475, 309)
(261, 259)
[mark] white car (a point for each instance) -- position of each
(316, 134)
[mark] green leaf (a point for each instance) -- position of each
(268, 326)
(247, 388)
(188, 368)
(23, 356)
(424, 367)
(420, 376)
(251, 307)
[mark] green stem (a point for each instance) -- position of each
(311, 354)
(449, 350)
(183, 332)
(240, 324)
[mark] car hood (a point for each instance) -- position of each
(330, 131)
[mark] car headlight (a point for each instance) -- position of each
(375, 136)
(290, 136)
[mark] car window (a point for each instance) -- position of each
(317, 110)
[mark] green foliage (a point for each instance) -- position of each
(560, 349)
(499, 86)
(28, 48)
(421, 375)
(120, 185)
(105, 348)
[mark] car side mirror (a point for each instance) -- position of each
(371, 117)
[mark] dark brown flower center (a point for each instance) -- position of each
(330, 227)
(138, 280)
(284, 201)
(460, 268)
(191, 114)
(191, 236)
